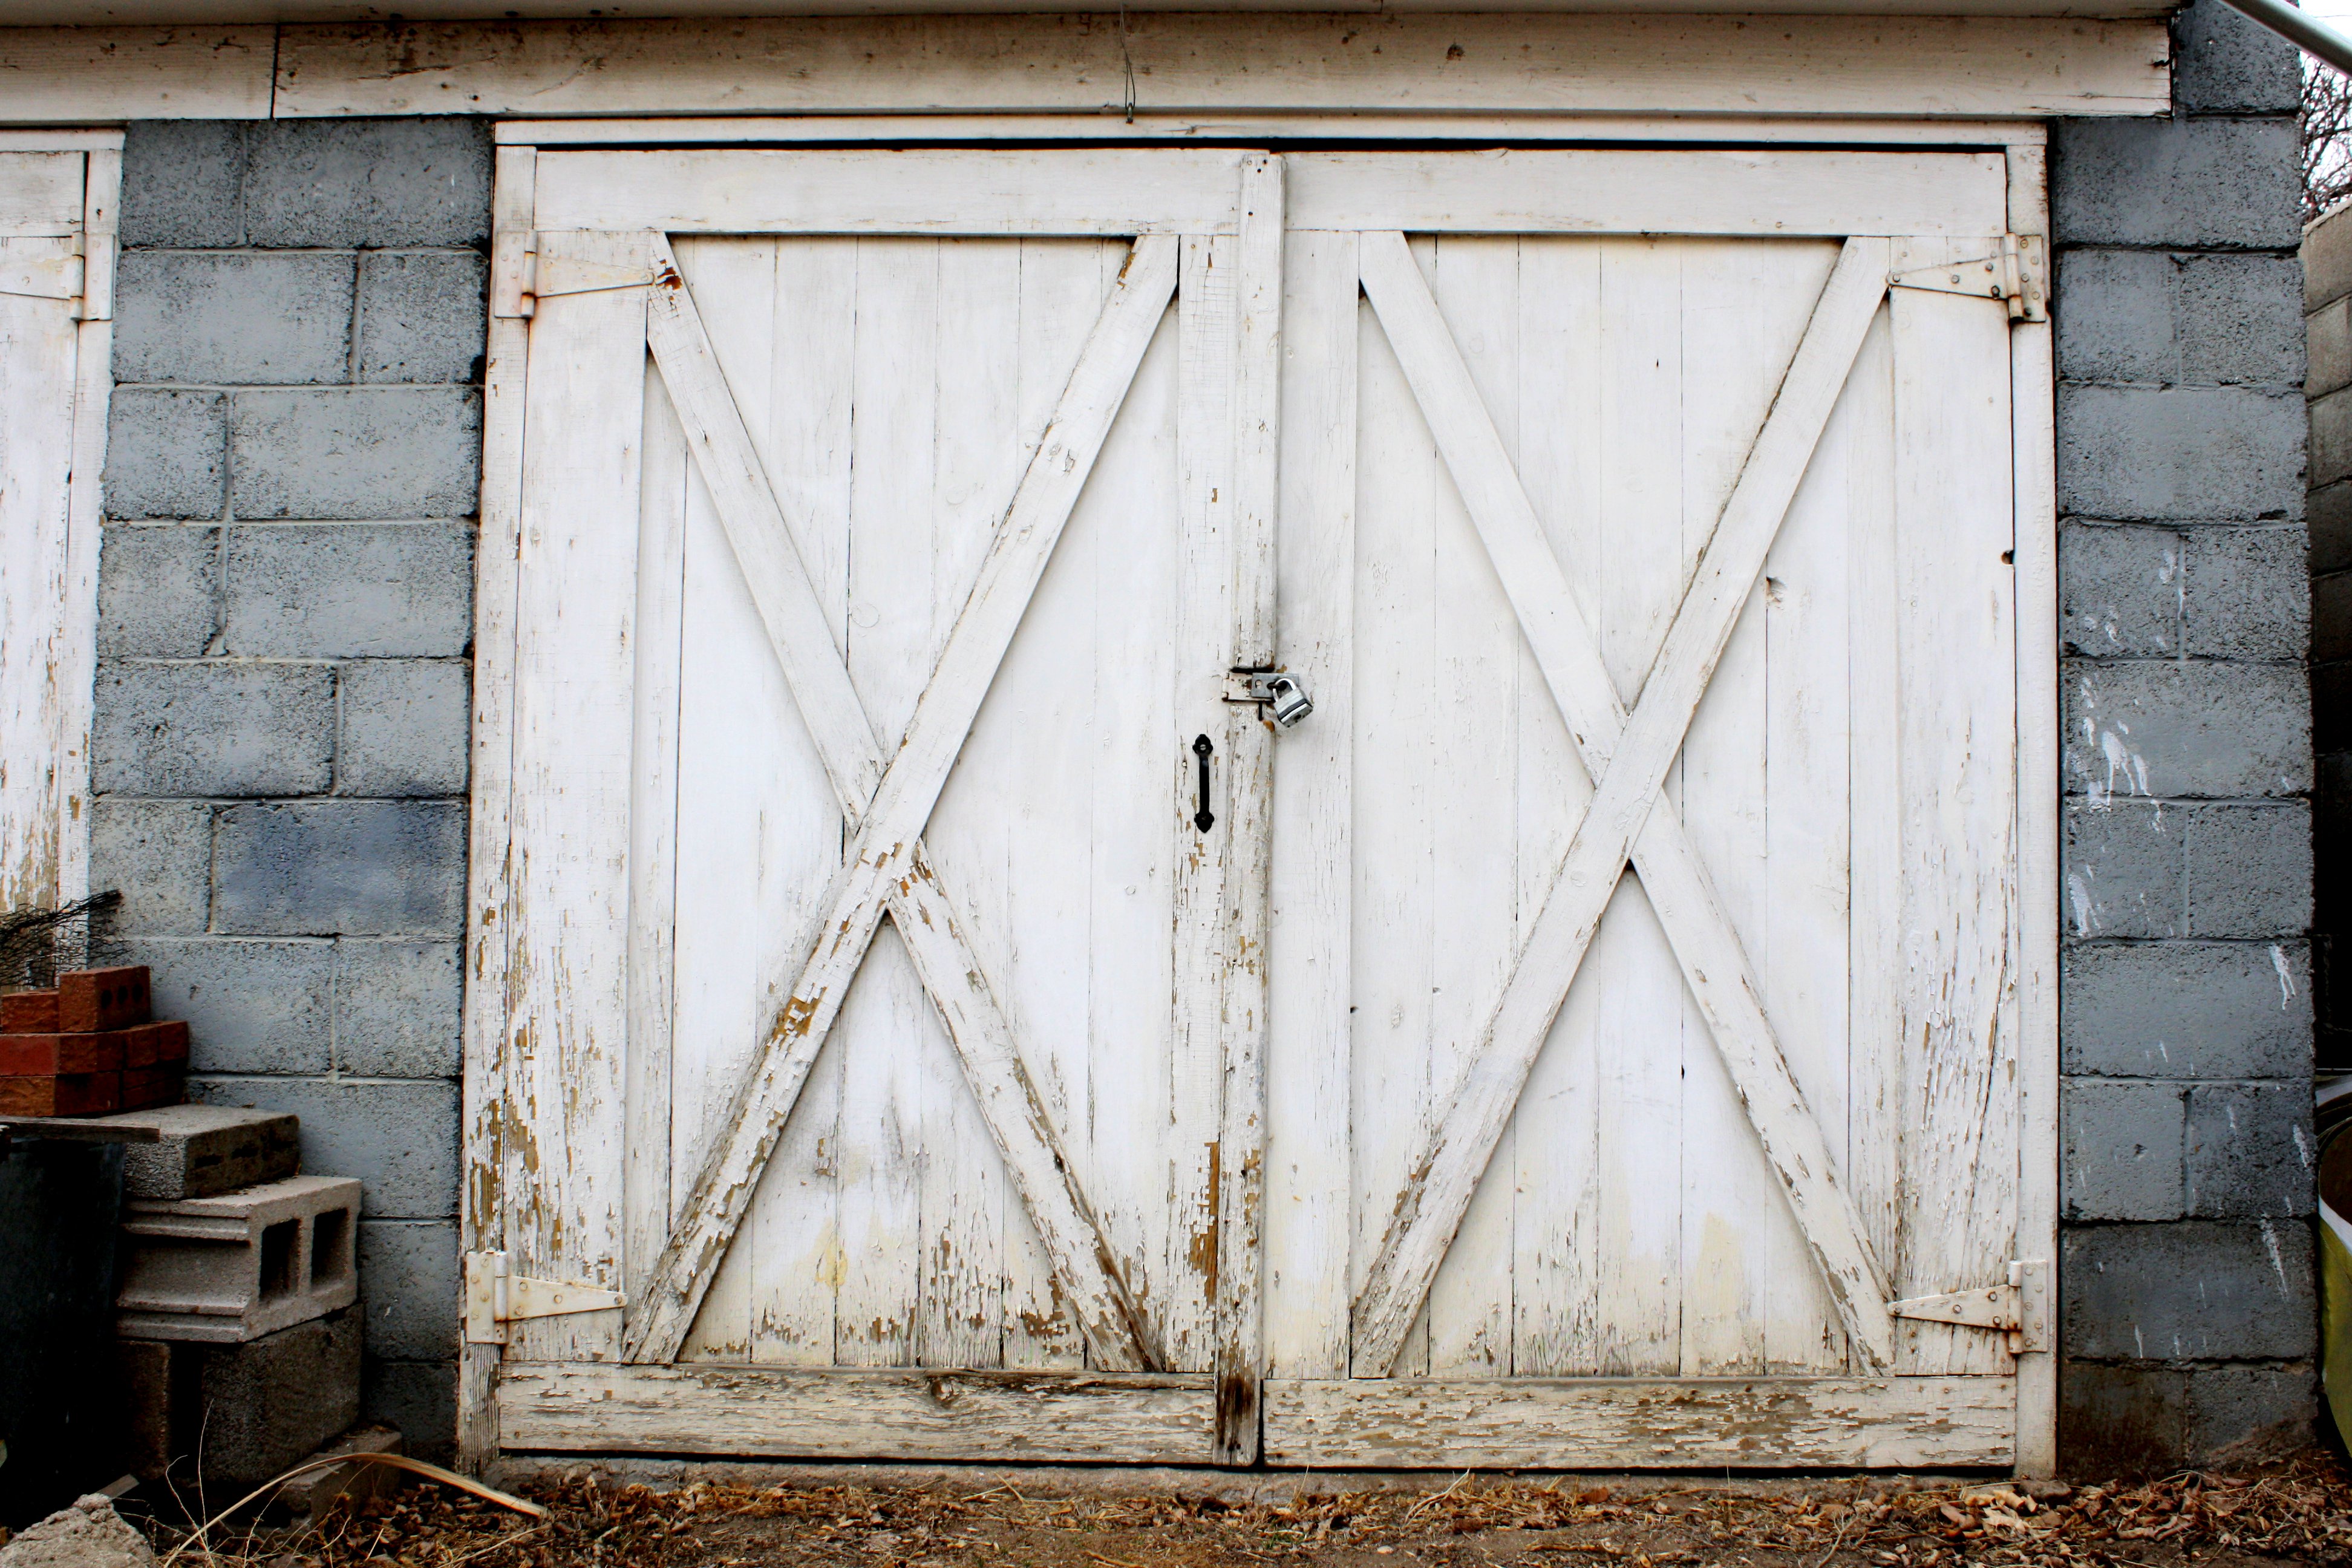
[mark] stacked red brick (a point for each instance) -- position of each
(89, 1047)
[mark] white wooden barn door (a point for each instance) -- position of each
(57, 256)
(883, 889)
(1645, 945)
(916, 1014)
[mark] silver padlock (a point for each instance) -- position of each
(1285, 699)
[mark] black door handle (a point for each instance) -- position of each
(1203, 819)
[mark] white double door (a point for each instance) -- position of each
(957, 1026)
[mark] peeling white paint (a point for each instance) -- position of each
(2286, 977)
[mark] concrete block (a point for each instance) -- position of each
(410, 1286)
(2327, 338)
(2221, 184)
(2327, 514)
(158, 591)
(2186, 1010)
(2119, 590)
(252, 1410)
(2122, 1140)
(2115, 320)
(2223, 61)
(2250, 1152)
(251, 1006)
(166, 453)
(2248, 871)
(2243, 1415)
(2248, 594)
(2123, 868)
(159, 855)
(350, 590)
(362, 452)
(418, 1397)
(231, 1268)
(406, 727)
(2330, 430)
(399, 1138)
(2326, 260)
(2171, 729)
(2116, 1421)
(2185, 452)
(213, 728)
(2240, 320)
(351, 868)
(183, 182)
(237, 318)
(2191, 1291)
(202, 1150)
(370, 183)
(397, 1008)
(422, 315)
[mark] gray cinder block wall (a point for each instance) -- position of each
(286, 613)
(2188, 1319)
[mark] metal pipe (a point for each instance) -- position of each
(2315, 37)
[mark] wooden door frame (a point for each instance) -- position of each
(59, 743)
(1624, 1410)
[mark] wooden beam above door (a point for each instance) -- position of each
(1562, 63)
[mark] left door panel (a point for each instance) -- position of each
(57, 253)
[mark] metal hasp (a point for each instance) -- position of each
(1285, 699)
(2019, 1309)
(496, 1297)
(2017, 273)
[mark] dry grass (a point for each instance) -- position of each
(2300, 1512)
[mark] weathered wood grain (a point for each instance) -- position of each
(848, 1413)
(1647, 1423)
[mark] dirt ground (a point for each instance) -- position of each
(2301, 1512)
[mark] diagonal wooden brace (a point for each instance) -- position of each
(1630, 758)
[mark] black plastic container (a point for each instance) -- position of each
(60, 1205)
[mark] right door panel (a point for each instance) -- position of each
(1644, 1202)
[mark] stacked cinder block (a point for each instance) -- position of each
(89, 1047)
(238, 1340)
(2186, 1005)
(284, 625)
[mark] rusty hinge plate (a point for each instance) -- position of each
(2015, 271)
(521, 276)
(2017, 1308)
(495, 1295)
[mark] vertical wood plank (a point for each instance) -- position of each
(1045, 928)
(653, 830)
(93, 392)
(1555, 1264)
(899, 612)
(1644, 562)
(1207, 307)
(1473, 828)
(1240, 1196)
(1398, 474)
(1308, 1215)
(38, 392)
(486, 1096)
(965, 1190)
(1956, 638)
(568, 902)
(805, 444)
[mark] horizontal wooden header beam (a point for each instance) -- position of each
(1193, 63)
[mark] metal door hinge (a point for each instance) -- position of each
(522, 277)
(2017, 273)
(1285, 700)
(2019, 1309)
(495, 1297)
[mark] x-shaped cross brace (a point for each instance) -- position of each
(887, 800)
(1629, 757)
